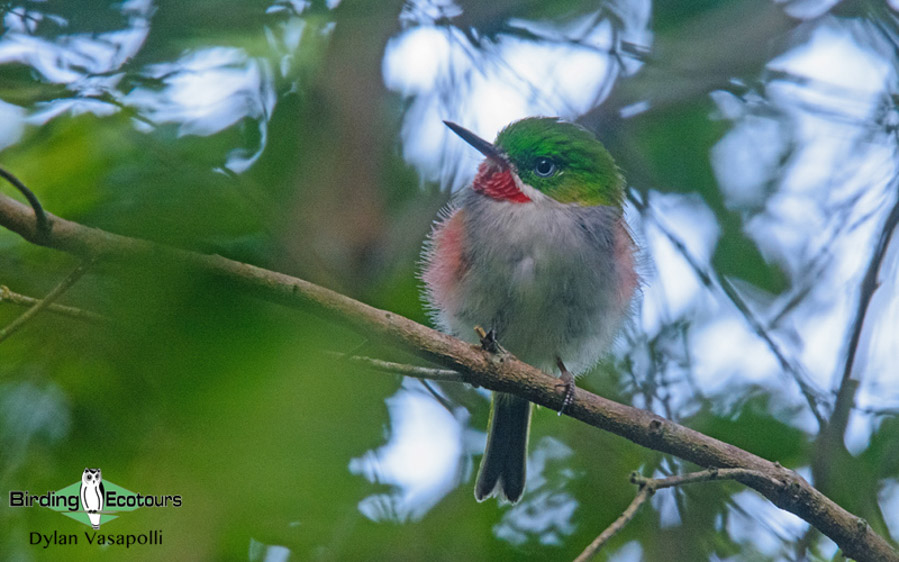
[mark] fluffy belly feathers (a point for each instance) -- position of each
(551, 279)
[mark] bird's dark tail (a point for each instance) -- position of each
(502, 471)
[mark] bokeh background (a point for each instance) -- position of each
(759, 142)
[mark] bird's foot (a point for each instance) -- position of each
(489, 343)
(566, 384)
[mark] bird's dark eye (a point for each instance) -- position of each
(545, 167)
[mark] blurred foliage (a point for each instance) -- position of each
(232, 402)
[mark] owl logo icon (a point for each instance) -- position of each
(92, 494)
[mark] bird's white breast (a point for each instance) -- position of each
(544, 275)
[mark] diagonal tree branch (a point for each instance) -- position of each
(783, 487)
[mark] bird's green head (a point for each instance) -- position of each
(559, 159)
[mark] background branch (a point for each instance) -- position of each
(712, 280)
(783, 487)
(832, 434)
(57, 292)
(12, 297)
(830, 442)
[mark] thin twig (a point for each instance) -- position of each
(40, 217)
(10, 296)
(57, 292)
(644, 494)
(702, 476)
(648, 487)
(405, 369)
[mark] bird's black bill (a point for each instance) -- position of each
(484, 147)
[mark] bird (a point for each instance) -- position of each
(537, 251)
(92, 493)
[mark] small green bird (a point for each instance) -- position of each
(538, 252)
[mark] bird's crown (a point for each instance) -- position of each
(562, 160)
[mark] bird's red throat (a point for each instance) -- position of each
(498, 182)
